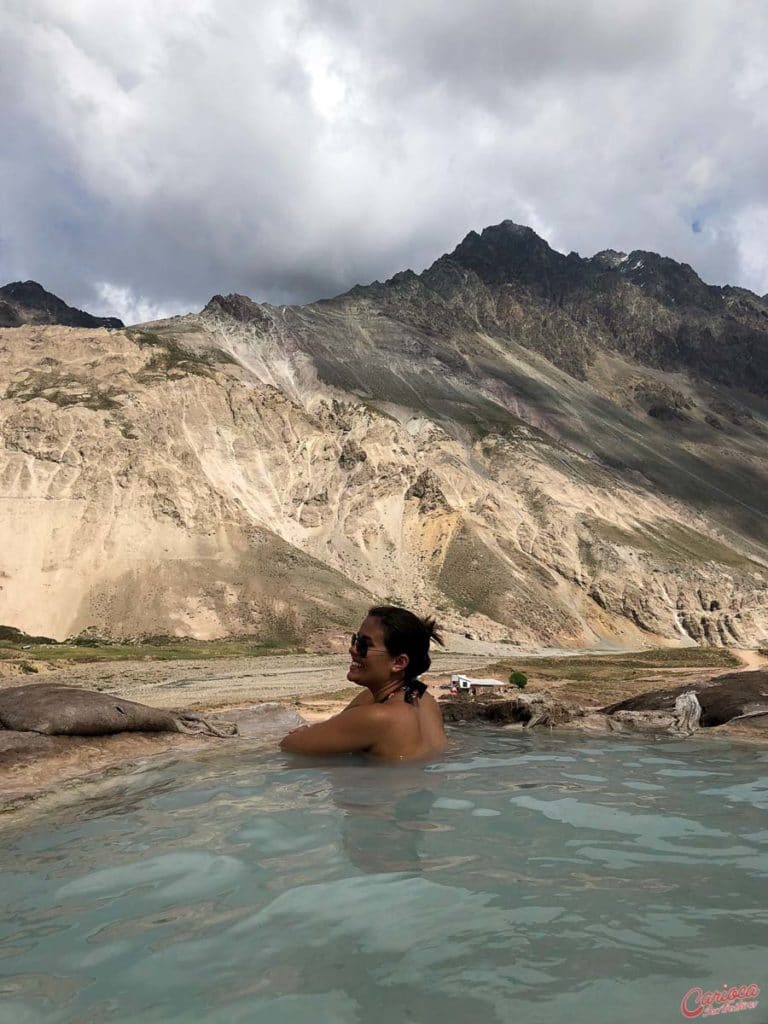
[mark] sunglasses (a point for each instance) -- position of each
(361, 644)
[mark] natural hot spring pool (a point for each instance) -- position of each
(532, 878)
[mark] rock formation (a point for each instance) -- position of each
(34, 763)
(735, 696)
(54, 710)
(734, 699)
(538, 447)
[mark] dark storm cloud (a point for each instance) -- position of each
(156, 153)
(487, 45)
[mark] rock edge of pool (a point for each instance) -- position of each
(38, 771)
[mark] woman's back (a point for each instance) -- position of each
(409, 731)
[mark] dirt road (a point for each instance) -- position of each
(219, 683)
(751, 660)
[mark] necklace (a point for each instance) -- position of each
(414, 689)
(383, 699)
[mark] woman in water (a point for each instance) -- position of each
(394, 718)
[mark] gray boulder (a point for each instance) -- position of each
(56, 710)
(728, 698)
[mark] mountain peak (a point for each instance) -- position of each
(504, 238)
(610, 259)
(510, 252)
(239, 307)
(27, 302)
(669, 281)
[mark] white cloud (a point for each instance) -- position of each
(120, 301)
(752, 231)
(289, 149)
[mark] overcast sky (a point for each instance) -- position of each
(154, 152)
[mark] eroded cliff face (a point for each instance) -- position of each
(274, 470)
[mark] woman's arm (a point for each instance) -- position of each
(353, 729)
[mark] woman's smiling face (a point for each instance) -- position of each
(376, 667)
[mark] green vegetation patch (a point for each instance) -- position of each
(473, 577)
(144, 338)
(172, 358)
(672, 541)
(181, 650)
(588, 665)
(63, 390)
(607, 677)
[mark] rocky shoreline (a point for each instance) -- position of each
(734, 704)
(268, 696)
(52, 769)
(263, 696)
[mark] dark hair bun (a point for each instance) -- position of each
(431, 628)
(406, 633)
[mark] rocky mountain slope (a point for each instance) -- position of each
(27, 302)
(540, 448)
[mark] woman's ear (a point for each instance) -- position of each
(401, 662)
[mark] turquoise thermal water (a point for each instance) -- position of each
(531, 878)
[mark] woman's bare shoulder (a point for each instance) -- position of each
(364, 697)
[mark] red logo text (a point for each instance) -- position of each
(698, 1003)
